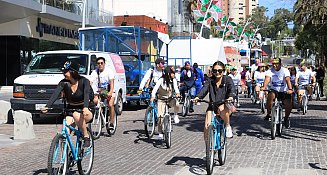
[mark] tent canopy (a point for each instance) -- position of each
(201, 51)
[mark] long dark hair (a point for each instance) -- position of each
(75, 75)
(219, 63)
(166, 76)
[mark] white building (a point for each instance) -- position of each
(240, 9)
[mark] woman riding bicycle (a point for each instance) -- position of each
(259, 78)
(220, 87)
(77, 92)
(165, 88)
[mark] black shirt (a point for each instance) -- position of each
(225, 90)
(80, 98)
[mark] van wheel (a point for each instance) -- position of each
(119, 104)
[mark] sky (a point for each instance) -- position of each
(275, 4)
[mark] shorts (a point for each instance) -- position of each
(281, 95)
(79, 107)
(243, 82)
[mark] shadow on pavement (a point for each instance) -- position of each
(141, 137)
(196, 165)
(315, 166)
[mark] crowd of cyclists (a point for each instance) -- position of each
(166, 82)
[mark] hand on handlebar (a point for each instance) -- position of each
(196, 99)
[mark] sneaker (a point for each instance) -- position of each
(87, 142)
(111, 126)
(176, 119)
(257, 102)
(160, 137)
(229, 132)
(238, 105)
(287, 123)
(268, 117)
(191, 110)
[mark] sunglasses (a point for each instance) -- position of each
(218, 70)
(100, 63)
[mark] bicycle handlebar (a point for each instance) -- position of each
(216, 102)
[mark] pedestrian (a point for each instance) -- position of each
(320, 79)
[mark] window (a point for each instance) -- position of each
(240, 13)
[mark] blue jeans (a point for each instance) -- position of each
(249, 85)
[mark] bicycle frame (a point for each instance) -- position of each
(155, 111)
(217, 123)
(65, 133)
(277, 106)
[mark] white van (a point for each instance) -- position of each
(32, 90)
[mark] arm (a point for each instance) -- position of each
(145, 79)
(155, 89)
(112, 85)
(265, 83)
(204, 91)
(86, 94)
(176, 87)
(94, 81)
(56, 94)
(231, 93)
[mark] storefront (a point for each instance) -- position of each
(21, 39)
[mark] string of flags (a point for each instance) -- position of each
(208, 11)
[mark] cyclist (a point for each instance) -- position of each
(102, 81)
(153, 74)
(243, 82)
(248, 80)
(293, 77)
(236, 77)
(165, 88)
(187, 81)
(280, 87)
(219, 87)
(259, 77)
(303, 79)
(199, 81)
(78, 93)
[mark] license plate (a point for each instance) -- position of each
(39, 106)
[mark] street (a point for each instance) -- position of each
(301, 150)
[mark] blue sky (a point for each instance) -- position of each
(275, 4)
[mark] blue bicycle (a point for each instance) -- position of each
(63, 154)
(151, 119)
(216, 139)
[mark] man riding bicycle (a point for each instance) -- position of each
(165, 88)
(236, 77)
(302, 82)
(153, 74)
(102, 81)
(280, 87)
(187, 82)
(220, 87)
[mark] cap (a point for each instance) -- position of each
(159, 60)
(71, 65)
(276, 60)
(187, 62)
(168, 70)
(195, 65)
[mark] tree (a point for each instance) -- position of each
(310, 26)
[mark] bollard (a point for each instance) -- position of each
(23, 125)
(4, 108)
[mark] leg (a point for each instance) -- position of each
(288, 108)
(206, 124)
(112, 109)
(299, 96)
(80, 120)
(321, 87)
(257, 90)
(175, 104)
(225, 115)
(192, 92)
(270, 99)
(161, 110)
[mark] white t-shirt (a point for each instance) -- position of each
(259, 77)
(155, 77)
(278, 81)
(248, 75)
(254, 67)
(304, 77)
(236, 79)
(105, 76)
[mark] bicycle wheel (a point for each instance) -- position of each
(186, 106)
(223, 146)
(279, 126)
(210, 149)
(167, 130)
(58, 158)
(111, 130)
(304, 100)
(274, 117)
(86, 155)
(96, 125)
(149, 122)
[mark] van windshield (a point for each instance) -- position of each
(52, 63)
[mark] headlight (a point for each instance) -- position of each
(18, 88)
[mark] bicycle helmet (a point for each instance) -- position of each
(70, 66)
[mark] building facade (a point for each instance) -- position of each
(31, 26)
(240, 9)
